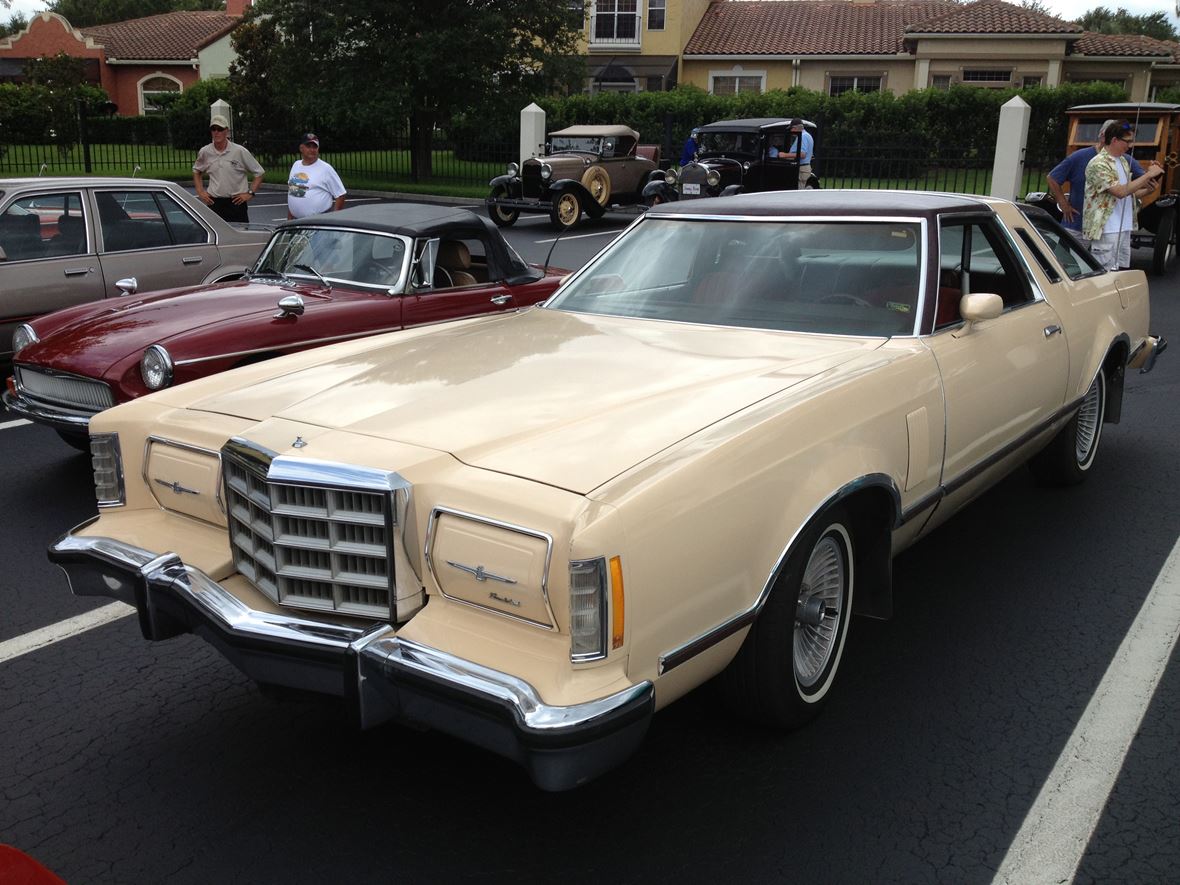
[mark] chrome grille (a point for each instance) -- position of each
(60, 389)
(310, 546)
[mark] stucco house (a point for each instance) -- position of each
(133, 60)
(728, 46)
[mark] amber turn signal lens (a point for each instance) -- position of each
(617, 611)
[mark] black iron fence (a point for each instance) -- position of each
(385, 162)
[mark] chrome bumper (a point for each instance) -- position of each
(59, 417)
(1147, 353)
(380, 676)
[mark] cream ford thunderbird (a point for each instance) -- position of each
(698, 458)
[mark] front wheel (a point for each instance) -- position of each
(785, 669)
(1164, 251)
(502, 216)
(566, 211)
(1071, 453)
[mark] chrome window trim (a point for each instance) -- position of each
(188, 447)
(920, 220)
(431, 528)
(399, 288)
(118, 456)
(91, 244)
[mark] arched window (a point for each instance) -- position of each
(151, 88)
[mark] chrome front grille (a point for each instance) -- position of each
(64, 390)
(311, 546)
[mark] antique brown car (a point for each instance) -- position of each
(586, 169)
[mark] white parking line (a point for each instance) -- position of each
(1058, 828)
(20, 422)
(14, 648)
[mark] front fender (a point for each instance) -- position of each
(730, 190)
(661, 190)
(510, 182)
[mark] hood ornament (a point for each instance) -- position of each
(299, 443)
(479, 573)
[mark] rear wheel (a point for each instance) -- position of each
(566, 211)
(502, 216)
(1164, 251)
(784, 671)
(1070, 455)
(597, 182)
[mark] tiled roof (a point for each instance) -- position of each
(171, 35)
(993, 17)
(1124, 45)
(809, 27)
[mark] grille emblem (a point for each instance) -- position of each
(481, 575)
(177, 488)
(299, 443)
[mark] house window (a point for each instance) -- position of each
(726, 84)
(941, 81)
(655, 14)
(986, 75)
(154, 87)
(616, 20)
(840, 85)
(1031, 80)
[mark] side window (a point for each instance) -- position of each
(465, 259)
(1074, 259)
(184, 228)
(130, 220)
(974, 258)
(43, 226)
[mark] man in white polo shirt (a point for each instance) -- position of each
(313, 185)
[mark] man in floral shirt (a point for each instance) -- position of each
(1110, 213)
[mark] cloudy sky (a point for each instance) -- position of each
(1066, 9)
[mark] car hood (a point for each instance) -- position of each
(570, 400)
(97, 339)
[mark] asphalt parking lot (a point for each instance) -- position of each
(1016, 721)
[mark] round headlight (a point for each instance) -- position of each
(670, 176)
(713, 177)
(746, 166)
(156, 367)
(23, 337)
(512, 169)
(546, 171)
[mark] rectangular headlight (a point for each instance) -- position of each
(107, 461)
(588, 609)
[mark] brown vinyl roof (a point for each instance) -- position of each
(171, 35)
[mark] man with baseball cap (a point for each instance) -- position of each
(226, 164)
(313, 185)
(800, 146)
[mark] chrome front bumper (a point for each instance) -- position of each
(58, 417)
(380, 676)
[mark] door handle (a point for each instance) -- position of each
(501, 299)
(1050, 331)
(77, 271)
(192, 259)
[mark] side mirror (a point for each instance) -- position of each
(422, 273)
(977, 307)
(127, 285)
(290, 306)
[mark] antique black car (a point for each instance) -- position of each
(735, 156)
(585, 169)
(1157, 138)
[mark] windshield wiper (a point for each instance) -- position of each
(319, 275)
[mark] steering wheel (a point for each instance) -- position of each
(373, 271)
(845, 298)
(441, 273)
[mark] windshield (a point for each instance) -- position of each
(729, 143)
(584, 144)
(344, 256)
(832, 277)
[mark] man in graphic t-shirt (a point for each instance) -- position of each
(313, 185)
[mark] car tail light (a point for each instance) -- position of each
(589, 612)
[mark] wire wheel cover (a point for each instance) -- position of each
(1089, 423)
(825, 577)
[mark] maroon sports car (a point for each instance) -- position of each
(320, 279)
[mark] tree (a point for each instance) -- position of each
(85, 13)
(355, 65)
(1104, 21)
(17, 22)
